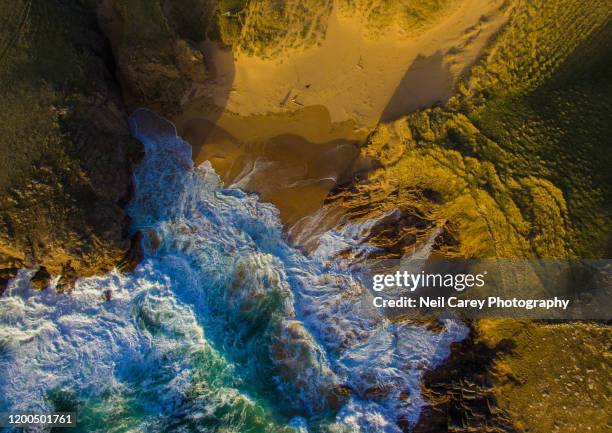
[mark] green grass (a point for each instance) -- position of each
(57, 115)
(518, 160)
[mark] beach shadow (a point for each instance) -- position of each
(427, 82)
(220, 66)
(291, 159)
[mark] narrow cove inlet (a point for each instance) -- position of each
(223, 325)
(305, 216)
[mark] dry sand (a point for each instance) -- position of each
(288, 128)
(355, 77)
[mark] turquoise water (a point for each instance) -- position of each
(223, 327)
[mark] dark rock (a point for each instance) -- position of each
(460, 392)
(41, 279)
(158, 59)
(134, 255)
(6, 274)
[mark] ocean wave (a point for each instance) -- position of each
(224, 326)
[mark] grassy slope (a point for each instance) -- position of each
(411, 17)
(514, 165)
(544, 96)
(556, 378)
(267, 28)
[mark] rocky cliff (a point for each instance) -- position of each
(65, 149)
(515, 165)
(155, 45)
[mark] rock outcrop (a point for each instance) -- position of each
(460, 391)
(155, 44)
(515, 165)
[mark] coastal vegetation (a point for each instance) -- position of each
(516, 163)
(410, 17)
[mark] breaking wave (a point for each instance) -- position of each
(223, 327)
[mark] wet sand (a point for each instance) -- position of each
(289, 128)
(291, 159)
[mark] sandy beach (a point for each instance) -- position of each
(354, 76)
(268, 125)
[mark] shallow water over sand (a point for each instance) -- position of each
(289, 127)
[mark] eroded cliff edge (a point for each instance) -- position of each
(516, 163)
(65, 148)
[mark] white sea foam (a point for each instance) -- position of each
(348, 238)
(224, 326)
(247, 174)
(142, 351)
